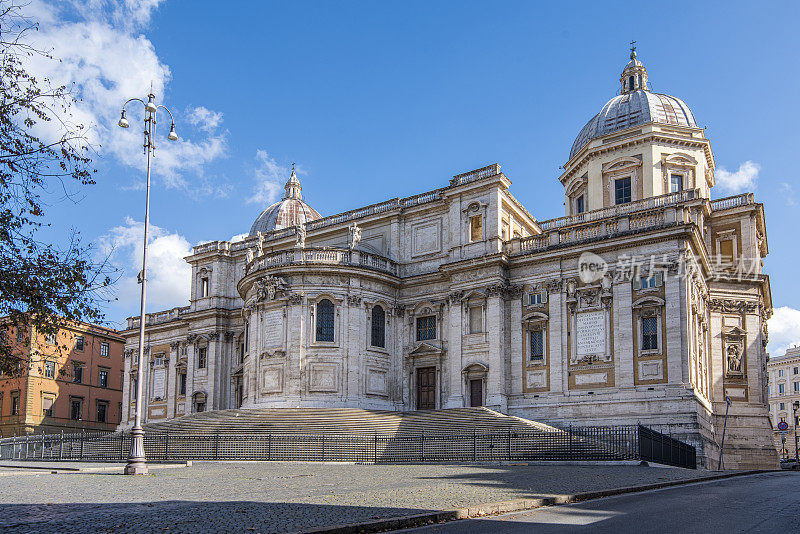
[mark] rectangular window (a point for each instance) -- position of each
(102, 411)
(76, 409)
(782, 407)
(50, 370)
(535, 298)
(780, 372)
(204, 287)
(475, 319)
(675, 183)
(649, 333)
(201, 357)
(182, 384)
(77, 373)
(579, 208)
(102, 378)
(622, 190)
(537, 345)
(104, 349)
(795, 370)
(15, 403)
(781, 389)
(50, 339)
(426, 328)
(47, 404)
(797, 387)
(476, 228)
(79, 343)
(726, 250)
(649, 282)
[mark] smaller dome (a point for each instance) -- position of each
(290, 211)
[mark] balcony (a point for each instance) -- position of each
(323, 256)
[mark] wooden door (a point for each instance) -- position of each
(476, 392)
(426, 388)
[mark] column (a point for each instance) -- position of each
(455, 361)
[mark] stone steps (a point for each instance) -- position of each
(349, 421)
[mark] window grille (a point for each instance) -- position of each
(378, 327)
(426, 328)
(104, 349)
(622, 190)
(537, 345)
(649, 333)
(325, 320)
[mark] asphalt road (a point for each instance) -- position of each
(759, 503)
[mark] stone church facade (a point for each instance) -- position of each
(645, 303)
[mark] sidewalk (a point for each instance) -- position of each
(291, 497)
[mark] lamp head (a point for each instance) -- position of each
(172, 136)
(123, 122)
(151, 104)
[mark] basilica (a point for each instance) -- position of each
(646, 302)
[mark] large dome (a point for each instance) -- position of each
(290, 211)
(634, 106)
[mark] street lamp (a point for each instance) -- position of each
(137, 464)
(795, 407)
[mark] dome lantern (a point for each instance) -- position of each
(634, 76)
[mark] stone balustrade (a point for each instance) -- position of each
(158, 317)
(323, 256)
(477, 174)
(733, 202)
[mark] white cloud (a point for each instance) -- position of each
(238, 237)
(784, 330)
(205, 119)
(787, 192)
(103, 63)
(168, 274)
(270, 179)
(744, 179)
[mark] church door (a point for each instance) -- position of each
(476, 392)
(426, 388)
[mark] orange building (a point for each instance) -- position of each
(70, 381)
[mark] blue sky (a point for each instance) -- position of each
(381, 99)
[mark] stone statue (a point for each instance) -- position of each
(260, 245)
(250, 255)
(355, 236)
(300, 241)
(734, 359)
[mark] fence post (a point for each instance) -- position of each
(216, 445)
(509, 444)
(166, 446)
(422, 445)
(323, 447)
(61, 446)
(570, 443)
(474, 445)
(26, 446)
(121, 445)
(375, 449)
(81, 456)
(269, 446)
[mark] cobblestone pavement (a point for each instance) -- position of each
(285, 497)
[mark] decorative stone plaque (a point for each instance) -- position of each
(160, 383)
(273, 328)
(590, 333)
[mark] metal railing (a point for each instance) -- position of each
(571, 444)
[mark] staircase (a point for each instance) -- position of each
(347, 421)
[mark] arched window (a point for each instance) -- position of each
(378, 327)
(325, 320)
(630, 83)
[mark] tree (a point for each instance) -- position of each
(42, 285)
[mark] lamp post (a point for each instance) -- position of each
(137, 464)
(795, 407)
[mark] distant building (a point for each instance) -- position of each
(646, 302)
(70, 381)
(784, 390)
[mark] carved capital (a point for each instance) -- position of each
(353, 300)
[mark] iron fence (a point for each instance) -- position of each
(572, 444)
